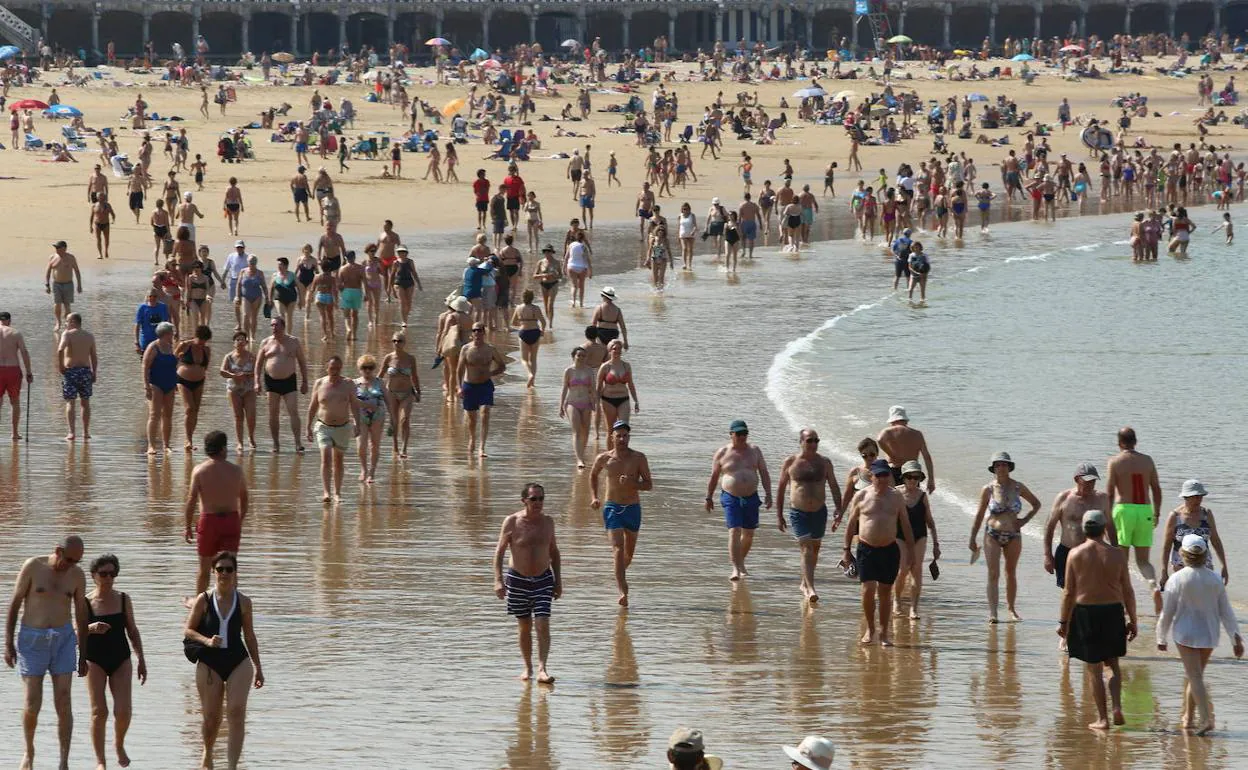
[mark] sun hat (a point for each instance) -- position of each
(738, 426)
(912, 466)
(814, 752)
(548, 249)
(1193, 488)
(1094, 517)
(401, 249)
(881, 467)
(1194, 543)
(608, 292)
(1086, 472)
(1000, 457)
(897, 414)
(461, 305)
(473, 262)
(686, 739)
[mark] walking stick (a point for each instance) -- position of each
(29, 385)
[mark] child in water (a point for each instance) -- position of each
(1228, 227)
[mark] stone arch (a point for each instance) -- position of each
(320, 32)
(223, 31)
(1015, 21)
(1106, 20)
(269, 32)
(1150, 17)
(508, 29)
(1194, 18)
(1235, 19)
(1057, 19)
(413, 29)
(125, 29)
(969, 26)
(794, 28)
(645, 27)
(167, 28)
(366, 29)
(830, 26)
(554, 27)
(463, 29)
(925, 25)
(692, 30)
(70, 28)
(607, 26)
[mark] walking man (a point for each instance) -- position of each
(628, 475)
(901, 443)
(479, 363)
(876, 515)
(737, 468)
(1068, 509)
(48, 589)
(13, 356)
(219, 490)
(1098, 593)
(59, 279)
(335, 411)
(533, 579)
(276, 363)
(811, 474)
(79, 365)
(1134, 492)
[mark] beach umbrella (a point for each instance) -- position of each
(437, 41)
(479, 54)
(844, 95)
(281, 57)
(570, 43)
(64, 111)
(1072, 48)
(1236, 49)
(9, 51)
(28, 104)
(491, 64)
(809, 93)
(961, 52)
(1023, 57)
(453, 106)
(976, 98)
(899, 39)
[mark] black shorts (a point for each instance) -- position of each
(482, 206)
(880, 565)
(901, 267)
(1059, 564)
(513, 204)
(283, 386)
(576, 176)
(1097, 632)
(136, 201)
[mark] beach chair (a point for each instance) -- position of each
(503, 152)
(686, 136)
(504, 136)
(33, 142)
(73, 139)
(522, 152)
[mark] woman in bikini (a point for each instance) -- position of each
(452, 160)
(533, 218)
(435, 161)
(214, 278)
(919, 511)
(227, 656)
(577, 402)
(196, 293)
(111, 631)
(239, 369)
(374, 281)
(160, 230)
(325, 292)
(658, 259)
(169, 283)
(1002, 501)
(403, 385)
(282, 290)
(940, 207)
(452, 335)
(375, 404)
(193, 356)
(305, 273)
(547, 274)
(889, 214)
(532, 323)
(615, 385)
(984, 196)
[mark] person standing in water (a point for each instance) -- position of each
(900, 443)
(110, 633)
(1134, 491)
(737, 469)
(479, 363)
(1098, 614)
(876, 515)
(334, 418)
(628, 474)
(533, 578)
(219, 490)
(78, 364)
(809, 472)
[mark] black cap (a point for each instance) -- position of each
(4, 315)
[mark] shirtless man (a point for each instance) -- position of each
(136, 187)
(1068, 509)
(13, 356)
(737, 469)
(276, 361)
(97, 185)
(351, 293)
(576, 166)
(301, 147)
(748, 216)
(299, 189)
(810, 473)
(101, 217)
(479, 363)
(79, 365)
(645, 208)
(48, 587)
(1135, 504)
(59, 280)
(876, 515)
(1098, 593)
(534, 577)
(331, 247)
(219, 490)
(589, 195)
(628, 474)
(810, 206)
(387, 242)
(335, 412)
(187, 213)
(900, 443)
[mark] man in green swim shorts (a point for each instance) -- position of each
(1135, 500)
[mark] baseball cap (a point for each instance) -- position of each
(621, 425)
(1096, 518)
(5, 315)
(1194, 543)
(738, 426)
(1086, 472)
(60, 245)
(881, 467)
(685, 738)
(239, 245)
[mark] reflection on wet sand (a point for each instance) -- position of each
(617, 714)
(529, 748)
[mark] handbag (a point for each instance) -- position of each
(191, 648)
(934, 569)
(268, 310)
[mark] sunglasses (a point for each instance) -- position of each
(536, 499)
(810, 441)
(224, 570)
(741, 433)
(882, 474)
(367, 368)
(108, 574)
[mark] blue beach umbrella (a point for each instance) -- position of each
(1023, 57)
(9, 51)
(479, 55)
(64, 111)
(976, 98)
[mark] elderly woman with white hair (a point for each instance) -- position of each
(1191, 518)
(1194, 604)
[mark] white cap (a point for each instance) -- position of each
(1194, 543)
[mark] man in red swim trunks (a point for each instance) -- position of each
(13, 355)
(219, 488)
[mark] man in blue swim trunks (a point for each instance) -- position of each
(737, 469)
(810, 473)
(479, 363)
(628, 474)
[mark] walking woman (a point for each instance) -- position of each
(403, 385)
(1194, 604)
(1002, 501)
(452, 160)
(547, 275)
(221, 639)
(239, 368)
(614, 385)
(919, 511)
(1191, 518)
(193, 356)
(374, 280)
(577, 401)
(578, 265)
(686, 229)
(305, 273)
(532, 323)
(452, 335)
(111, 631)
(533, 217)
(197, 293)
(375, 404)
(325, 292)
(282, 290)
(406, 281)
(160, 377)
(251, 294)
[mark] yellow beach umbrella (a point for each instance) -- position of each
(453, 106)
(281, 57)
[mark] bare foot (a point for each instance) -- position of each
(736, 575)
(15, 437)
(276, 449)
(123, 758)
(325, 498)
(1015, 616)
(300, 449)
(886, 641)
(151, 450)
(813, 598)
(898, 613)
(914, 615)
(1100, 724)
(70, 437)
(482, 453)
(363, 477)
(370, 479)
(867, 639)
(526, 675)
(623, 600)
(992, 620)
(1186, 722)
(1207, 727)
(543, 677)
(1119, 719)
(187, 447)
(28, 761)
(580, 465)
(101, 766)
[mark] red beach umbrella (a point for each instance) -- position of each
(28, 104)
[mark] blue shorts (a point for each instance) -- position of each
(616, 516)
(351, 299)
(47, 651)
(76, 383)
(808, 526)
(808, 216)
(301, 147)
(749, 229)
(740, 512)
(587, 202)
(476, 394)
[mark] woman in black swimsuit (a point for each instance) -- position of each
(110, 620)
(919, 511)
(228, 662)
(305, 273)
(193, 355)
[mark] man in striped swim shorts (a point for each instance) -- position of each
(533, 579)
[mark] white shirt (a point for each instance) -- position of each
(687, 224)
(1195, 602)
(234, 265)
